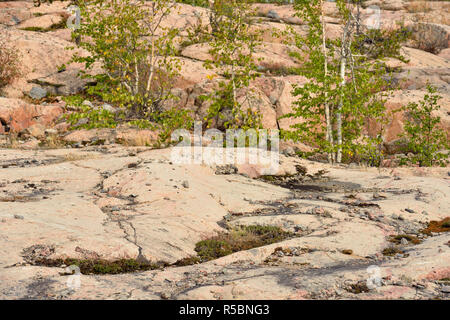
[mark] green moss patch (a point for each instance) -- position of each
(102, 266)
(238, 239)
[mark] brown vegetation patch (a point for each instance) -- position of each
(437, 226)
(358, 287)
(391, 251)
(398, 239)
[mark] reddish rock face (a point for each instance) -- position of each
(17, 115)
(401, 98)
(43, 52)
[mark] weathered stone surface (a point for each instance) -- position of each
(117, 202)
(102, 200)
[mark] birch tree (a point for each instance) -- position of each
(135, 50)
(232, 45)
(347, 84)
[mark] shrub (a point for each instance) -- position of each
(232, 46)
(346, 87)
(137, 54)
(425, 138)
(135, 50)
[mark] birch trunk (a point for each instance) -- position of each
(339, 111)
(329, 132)
(339, 114)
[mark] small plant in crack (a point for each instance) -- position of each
(99, 266)
(391, 251)
(239, 239)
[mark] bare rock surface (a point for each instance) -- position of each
(112, 202)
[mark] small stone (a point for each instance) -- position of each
(109, 108)
(51, 131)
(82, 121)
(347, 251)
(409, 210)
(87, 103)
(165, 295)
(36, 130)
(185, 184)
(289, 151)
(404, 241)
(445, 289)
(273, 15)
(37, 93)
(379, 195)
(16, 216)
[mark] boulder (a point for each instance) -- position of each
(63, 83)
(44, 22)
(279, 91)
(257, 101)
(13, 13)
(391, 5)
(17, 115)
(430, 37)
(37, 93)
(41, 57)
(417, 78)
